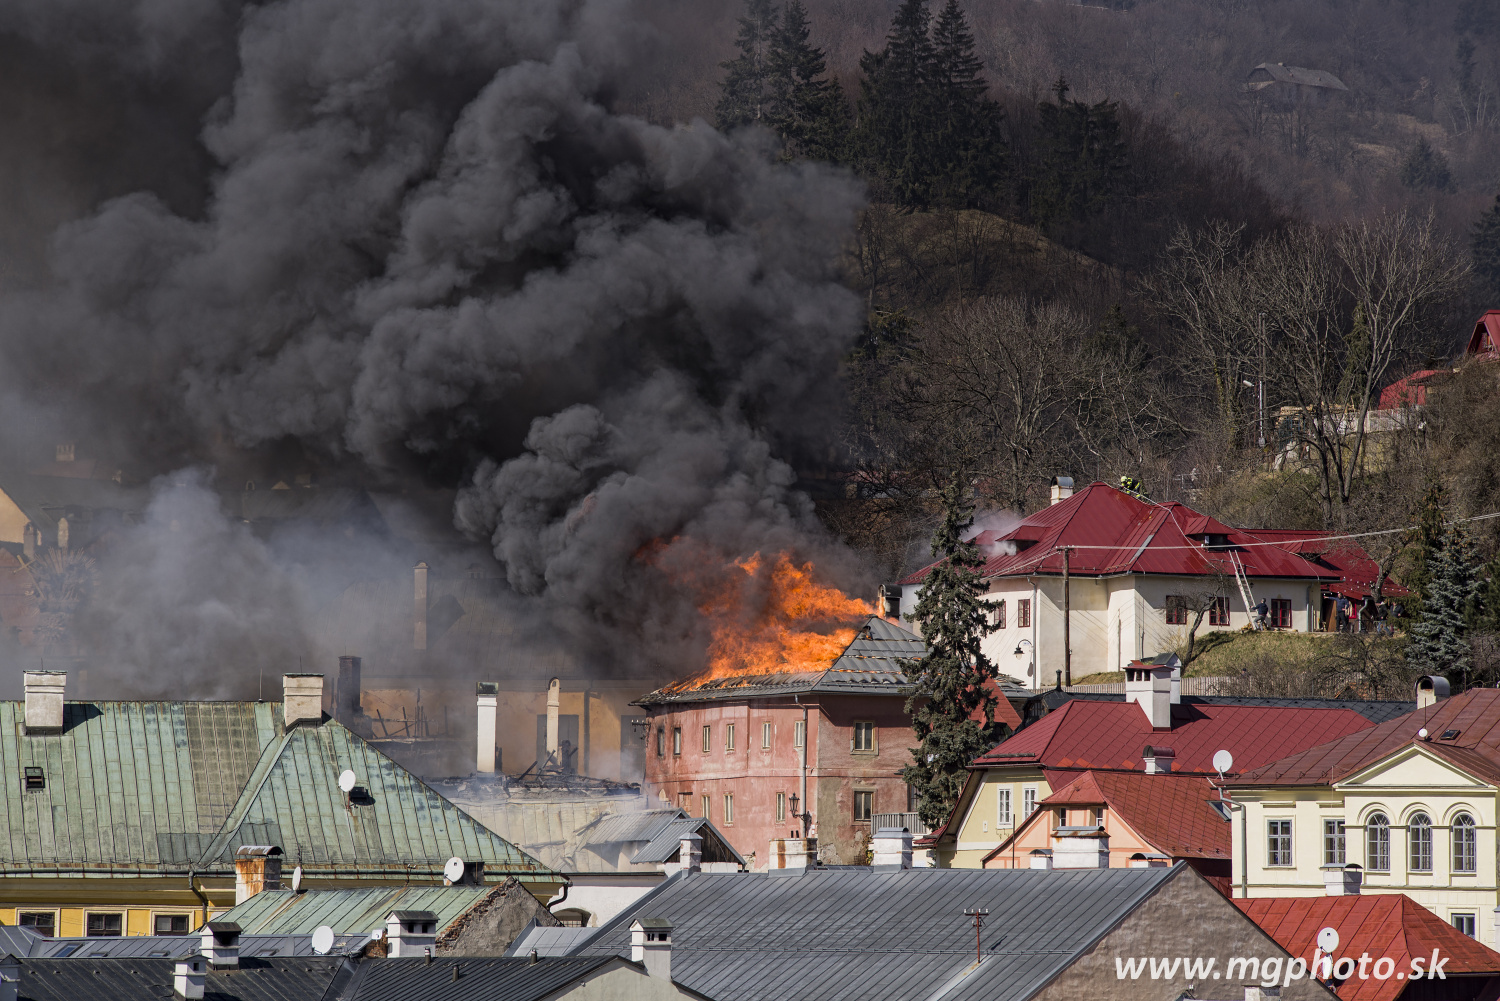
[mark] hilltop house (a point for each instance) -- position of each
(1293, 85)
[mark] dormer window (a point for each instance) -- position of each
(1215, 541)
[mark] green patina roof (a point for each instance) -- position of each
(144, 787)
(349, 911)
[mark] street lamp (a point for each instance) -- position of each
(802, 817)
(1031, 668)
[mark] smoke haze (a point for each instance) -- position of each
(412, 238)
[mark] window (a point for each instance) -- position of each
(1333, 842)
(1023, 613)
(765, 736)
(705, 807)
(708, 739)
(171, 924)
(781, 808)
(728, 808)
(1465, 844)
(1002, 808)
(997, 615)
(44, 923)
(1281, 613)
(1218, 612)
(729, 737)
(676, 740)
(1028, 800)
(1278, 842)
(864, 804)
(799, 733)
(1097, 815)
(1464, 923)
(1177, 610)
(1419, 843)
(864, 737)
(105, 925)
(1378, 843)
(661, 741)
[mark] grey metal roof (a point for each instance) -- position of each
(862, 933)
(353, 911)
(872, 664)
(303, 979)
(549, 941)
(483, 979)
(642, 825)
(1300, 75)
(669, 839)
(169, 946)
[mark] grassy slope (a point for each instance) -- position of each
(1227, 653)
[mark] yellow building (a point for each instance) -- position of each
(125, 818)
(1412, 802)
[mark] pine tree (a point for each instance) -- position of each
(950, 681)
(1425, 168)
(743, 96)
(1082, 158)
(1423, 546)
(967, 150)
(1439, 641)
(894, 107)
(806, 110)
(1486, 248)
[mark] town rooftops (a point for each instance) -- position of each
(1108, 531)
(870, 665)
(144, 788)
(1378, 925)
(306, 978)
(350, 911)
(1085, 734)
(1463, 730)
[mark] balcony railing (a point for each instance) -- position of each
(911, 821)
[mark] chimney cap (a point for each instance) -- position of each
(651, 924)
(487, 688)
(223, 927)
(258, 850)
(413, 916)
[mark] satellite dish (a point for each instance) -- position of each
(322, 940)
(347, 780)
(454, 870)
(1328, 940)
(1422, 733)
(297, 879)
(375, 934)
(1223, 761)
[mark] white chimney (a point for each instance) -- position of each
(1262, 993)
(1142, 860)
(791, 855)
(1430, 689)
(1158, 760)
(221, 944)
(1041, 858)
(1343, 880)
(44, 700)
(419, 607)
(690, 853)
(408, 933)
(892, 847)
(1062, 488)
(256, 868)
(10, 978)
(484, 748)
(1080, 848)
(1155, 686)
(651, 945)
(554, 699)
(187, 977)
(302, 698)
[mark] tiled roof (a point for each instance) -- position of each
(152, 788)
(1170, 812)
(1111, 735)
(1384, 924)
(870, 665)
(353, 911)
(1475, 714)
(1111, 532)
(856, 933)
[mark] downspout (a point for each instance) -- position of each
(1244, 849)
(192, 885)
(806, 806)
(1036, 659)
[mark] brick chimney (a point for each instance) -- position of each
(221, 944)
(1158, 760)
(792, 855)
(690, 853)
(256, 868)
(1062, 488)
(1155, 686)
(187, 977)
(651, 946)
(302, 698)
(488, 699)
(892, 847)
(419, 607)
(408, 933)
(44, 700)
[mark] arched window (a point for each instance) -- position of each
(1419, 843)
(1465, 844)
(1378, 843)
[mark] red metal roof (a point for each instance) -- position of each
(1355, 569)
(1476, 748)
(1485, 340)
(1111, 735)
(1410, 391)
(1109, 531)
(1170, 812)
(1377, 925)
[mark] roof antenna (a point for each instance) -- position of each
(978, 914)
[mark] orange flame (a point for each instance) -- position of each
(772, 619)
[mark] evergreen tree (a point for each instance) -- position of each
(806, 110)
(965, 141)
(744, 93)
(1439, 641)
(894, 107)
(1423, 545)
(1425, 168)
(1486, 247)
(950, 681)
(1082, 158)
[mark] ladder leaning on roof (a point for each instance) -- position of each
(1246, 595)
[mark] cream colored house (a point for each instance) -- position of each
(1413, 802)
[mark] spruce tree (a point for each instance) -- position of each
(949, 683)
(894, 107)
(806, 110)
(1439, 641)
(1082, 158)
(1425, 168)
(744, 92)
(967, 152)
(1486, 248)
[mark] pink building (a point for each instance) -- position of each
(753, 752)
